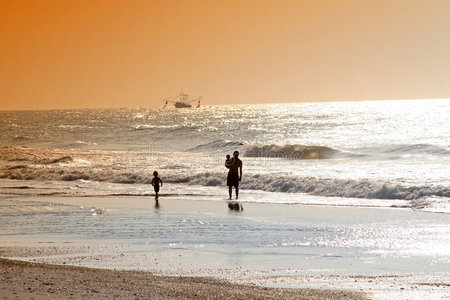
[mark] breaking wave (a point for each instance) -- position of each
(297, 151)
(289, 151)
(322, 187)
(71, 174)
(368, 189)
(30, 155)
(120, 167)
(217, 145)
(275, 151)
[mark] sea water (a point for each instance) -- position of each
(375, 153)
(310, 170)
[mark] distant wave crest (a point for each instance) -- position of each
(289, 151)
(297, 151)
(33, 155)
(404, 149)
(217, 145)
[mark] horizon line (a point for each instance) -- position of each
(225, 104)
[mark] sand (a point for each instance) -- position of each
(26, 280)
(158, 250)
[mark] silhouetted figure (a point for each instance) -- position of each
(155, 182)
(234, 174)
(229, 161)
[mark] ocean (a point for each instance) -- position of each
(352, 195)
(370, 153)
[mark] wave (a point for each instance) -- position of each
(151, 126)
(368, 189)
(297, 151)
(20, 187)
(59, 165)
(63, 159)
(20, 138)
(348, 188)
(15, 167)
(404, 149)
(71, 174)
(289, 151)
(25, 156)
(217, 145)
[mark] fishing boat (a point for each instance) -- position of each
(183, 101)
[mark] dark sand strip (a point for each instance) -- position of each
(25, 280)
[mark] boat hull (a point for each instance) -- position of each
(182, 105)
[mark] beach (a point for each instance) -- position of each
(335, 196)
(22, 280)
(266, 245)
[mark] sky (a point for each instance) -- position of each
(135, 53)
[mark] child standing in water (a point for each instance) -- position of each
(155, 182)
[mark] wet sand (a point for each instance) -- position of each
(201, 249)
(26, 280)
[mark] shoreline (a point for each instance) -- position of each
(363, 250)
(40, 281)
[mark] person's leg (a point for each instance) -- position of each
(230, 190)
(237, 192)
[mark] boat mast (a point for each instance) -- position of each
(184, 98)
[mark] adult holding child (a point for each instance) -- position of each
(234, 174)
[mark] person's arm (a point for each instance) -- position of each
(240, 172)
(229, 163)
(153, 182)
(161, 181)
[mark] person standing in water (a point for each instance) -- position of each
(155, 182)
(234, 174)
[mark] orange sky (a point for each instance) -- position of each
(130, 53)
